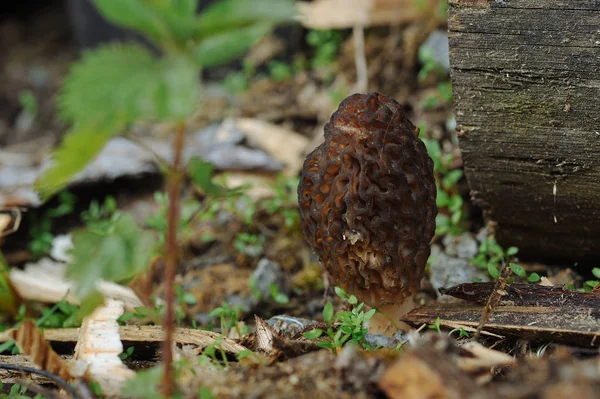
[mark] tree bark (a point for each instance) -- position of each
(526, 78)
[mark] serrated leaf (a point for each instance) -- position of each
(134, 14)
(78, 148)
(126, 83)
(227, 15)
(117, 256)
(221, 48)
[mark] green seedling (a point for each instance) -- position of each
(343, 327)
(452, 219)
(326, 44)
(40, 232)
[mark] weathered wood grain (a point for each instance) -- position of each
(526, 77)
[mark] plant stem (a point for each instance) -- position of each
(174, 180)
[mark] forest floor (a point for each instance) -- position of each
(247, 282)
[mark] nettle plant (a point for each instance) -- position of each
(117, 86)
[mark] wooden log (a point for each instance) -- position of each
(527, 311)
(526, 78)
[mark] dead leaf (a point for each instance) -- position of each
(30, 341)
(341, 14)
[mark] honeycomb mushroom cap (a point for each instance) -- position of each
(367, 200)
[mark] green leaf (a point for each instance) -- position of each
(533, 278)
(117, 256)
(518, 270)
(313, 334)
(144, 385)
(370, 314)
(221, 48)
(340, 292)
(442, 200)
(185, 7)
(78, 148)
(452, 178)
(328, 312)
(512, 251)
(227, 15)
(90, 302)
(134, 14)
(201, 174)
(596, 272)
(125, 83)
(493, 270)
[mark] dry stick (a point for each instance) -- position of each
(493, 300)
(175, 177)
(362, 76)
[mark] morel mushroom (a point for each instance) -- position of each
(367, 202)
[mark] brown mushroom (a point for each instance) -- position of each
(367, 202)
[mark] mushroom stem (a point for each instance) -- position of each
(387, 319)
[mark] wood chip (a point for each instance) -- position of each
(98, 349)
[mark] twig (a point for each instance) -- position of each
(493, 300)
(362, 76)
(59, 381)
(174, 178)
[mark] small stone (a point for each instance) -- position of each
(448, 271)
(266, 274)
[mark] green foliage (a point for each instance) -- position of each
(205, 393)
(40, 230)
(452, 219)
(115, 86)
(280, 71)
(61, 315)
(326, 44)
(116, 254)
(462, 333)
(589, 285)
(229, 318)
(284, 201)
(17, 391)
(435, 326)
(229, 15)
(145, 385)
(29, 102)
(222, 48)
(249, 244)
(429, 63)
(345, 326)
(442, 96)
(492, 257)
(278, 297)
(209, 354)
(201, 174)
(127, 353)
(9, 302)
